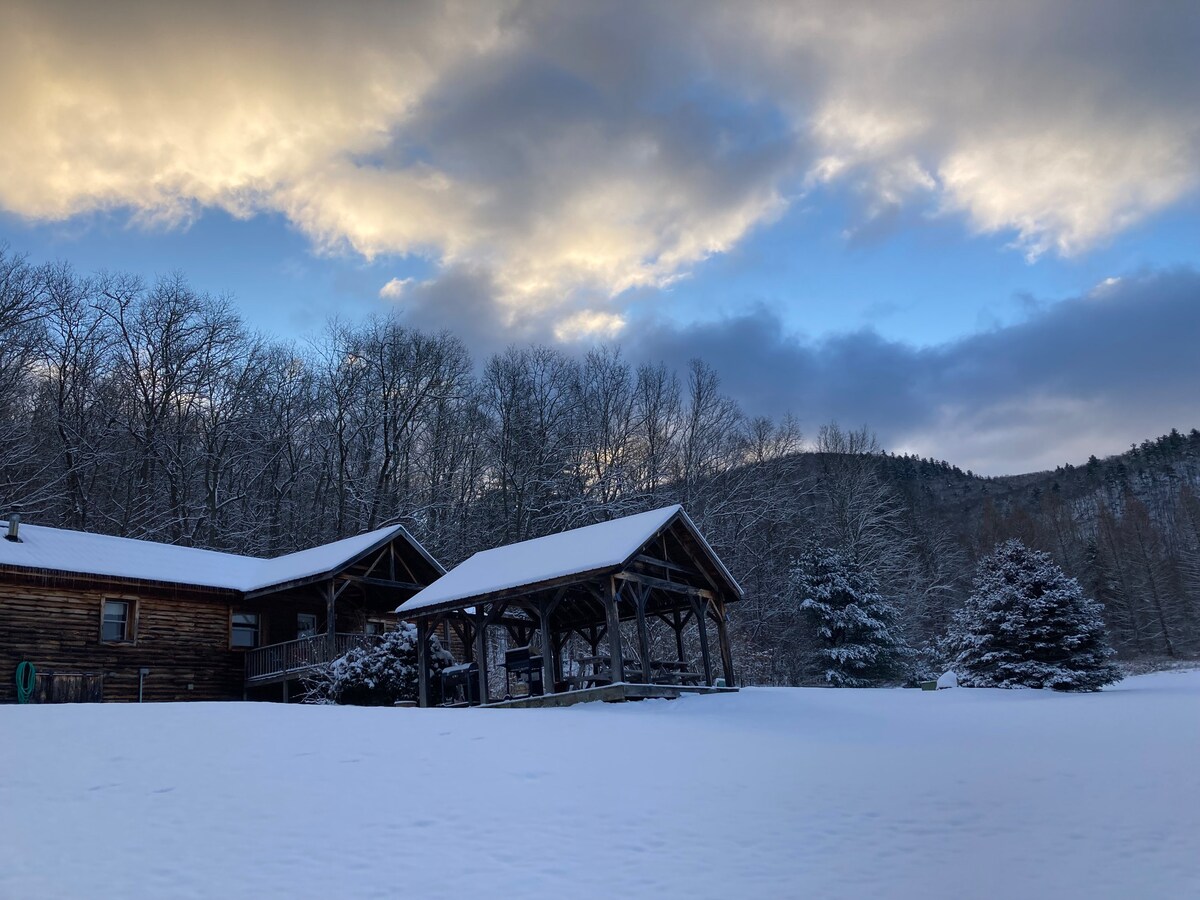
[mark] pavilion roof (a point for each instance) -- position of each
(590, 550)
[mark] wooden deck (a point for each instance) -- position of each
(276, 663)
(609, 693)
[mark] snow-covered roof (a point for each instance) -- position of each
(607, 545)
(63, 550)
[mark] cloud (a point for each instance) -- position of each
(395, 288)
(1090, 374)
(576, 153)
(589, 324)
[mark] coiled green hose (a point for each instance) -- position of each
(26, 674)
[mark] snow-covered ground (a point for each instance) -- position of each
(768, 793)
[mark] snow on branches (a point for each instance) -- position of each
(859, 641)
(1026, 624)
(378, 675)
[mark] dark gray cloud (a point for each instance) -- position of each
(1088, 374)
(1085, 375)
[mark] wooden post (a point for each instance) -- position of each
(677, 627)
(702, 624)
(481, 654)
(643, 634)
(548, 678)
(468, 640)
(616, 659)
(422, 666)
(723, 638)
(330, 622)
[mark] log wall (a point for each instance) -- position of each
(182, 638)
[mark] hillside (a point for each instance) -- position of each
(1127, 527)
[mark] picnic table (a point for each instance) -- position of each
(595, 671)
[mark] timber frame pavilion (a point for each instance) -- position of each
(652, 569)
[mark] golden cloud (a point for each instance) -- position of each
(379, 128)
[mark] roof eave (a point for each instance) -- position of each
(397, 531)
(514, 592)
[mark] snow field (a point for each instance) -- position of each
(779, 793)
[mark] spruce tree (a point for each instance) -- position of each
(858, 641)
(1026, 624)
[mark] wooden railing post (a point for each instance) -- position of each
(330, 618)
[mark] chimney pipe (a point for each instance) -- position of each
(14, 525)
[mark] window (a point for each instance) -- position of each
(373, 627)
(306, 625)
(115, 622)
(244, 632)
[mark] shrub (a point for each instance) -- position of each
(378, 675)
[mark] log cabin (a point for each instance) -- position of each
(111, 618)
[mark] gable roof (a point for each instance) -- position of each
(80, 552)
(593, 548)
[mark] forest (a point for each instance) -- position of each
(151, 410)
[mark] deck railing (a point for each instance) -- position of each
(295, 657)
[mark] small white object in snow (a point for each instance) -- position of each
(947, 680)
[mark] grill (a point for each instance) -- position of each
(460, 684)
(519, 662)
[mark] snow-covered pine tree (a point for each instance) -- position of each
(858, 641)
(1026, 624)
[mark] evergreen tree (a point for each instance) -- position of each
(378, 675)
(1026, 624)
(858, 641)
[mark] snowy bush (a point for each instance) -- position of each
(1026, 624)
(858, 641)
(378, 675)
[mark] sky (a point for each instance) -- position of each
(974, 228)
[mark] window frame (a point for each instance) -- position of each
(315, 624)
(258, 624)
(131, 620)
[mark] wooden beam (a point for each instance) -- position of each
(696, 562)
(462, 629)
(548, 678)
(643, 633)
(616, 658)
(330, 618)
(496, 612)
(378, 559)
(383, 582)
(723, 640)
(703, 626)
(669, 566)
(403, 561)
(422, 667)
(481, 654)
(663, 584)
(677, 627)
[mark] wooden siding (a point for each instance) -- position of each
(182, 640)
